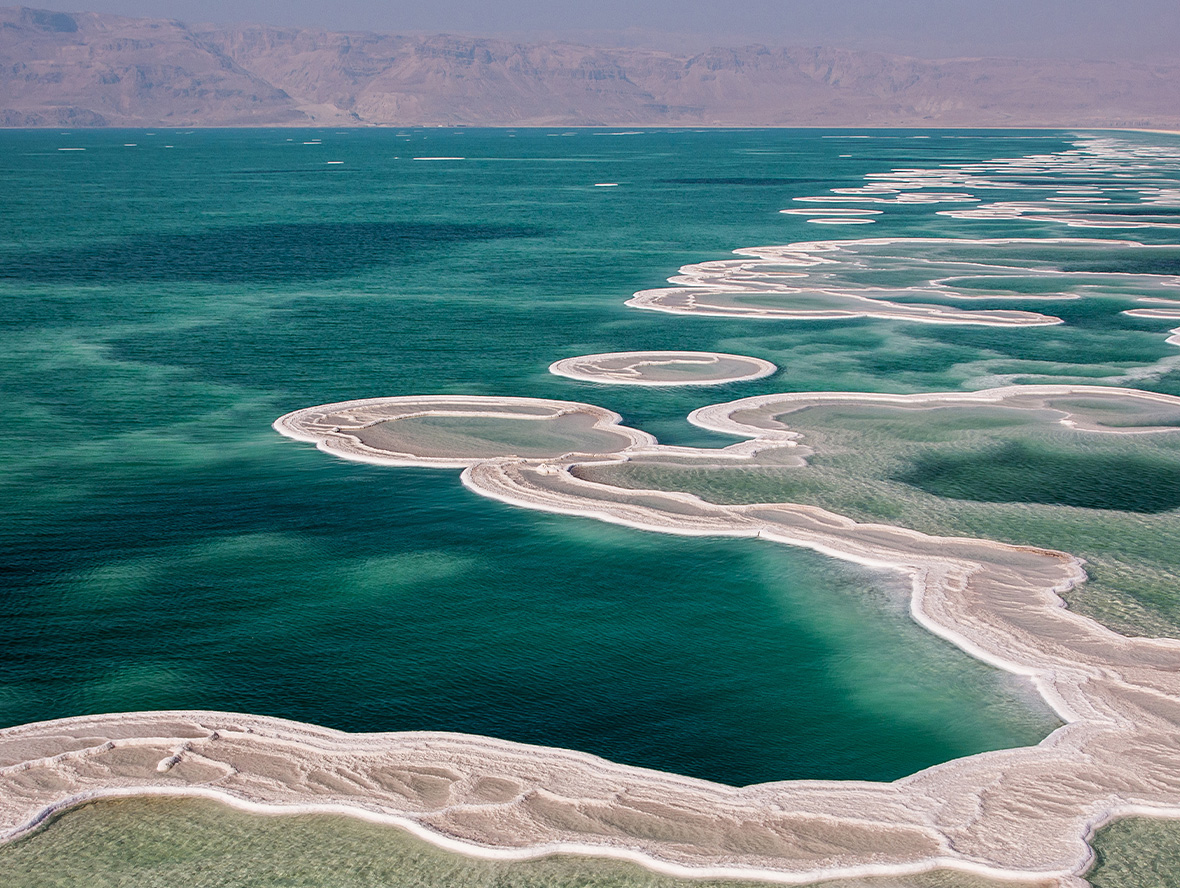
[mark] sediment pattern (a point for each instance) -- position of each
(1008, 814)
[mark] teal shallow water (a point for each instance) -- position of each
(165, 548)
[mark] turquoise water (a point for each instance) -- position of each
(164, 548)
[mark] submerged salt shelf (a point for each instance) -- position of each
(663, 368)
(983, 814)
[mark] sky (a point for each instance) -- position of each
(1094, 29)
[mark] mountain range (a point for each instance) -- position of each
(91, 69)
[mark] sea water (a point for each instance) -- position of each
(163, 303)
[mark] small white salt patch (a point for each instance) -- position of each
(834, 211)
(167, 763)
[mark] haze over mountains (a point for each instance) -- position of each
(89, 69)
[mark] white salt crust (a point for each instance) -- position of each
(657, 368)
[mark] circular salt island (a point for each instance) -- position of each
(663, 368)
(457, 431)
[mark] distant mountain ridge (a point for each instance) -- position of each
(90, 69)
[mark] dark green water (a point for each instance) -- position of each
(1015, 472)
(164, 548)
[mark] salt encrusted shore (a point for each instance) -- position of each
(663, 368)
(1013, 814)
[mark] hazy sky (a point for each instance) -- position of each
(1143, 29)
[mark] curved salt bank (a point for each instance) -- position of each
(457, 431)
(663, 368)
(1089, 408)
(1012, 814)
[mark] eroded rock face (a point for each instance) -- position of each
(88, 69)
(100, 70)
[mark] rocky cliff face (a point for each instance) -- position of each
(88, 69)
(95, 70)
